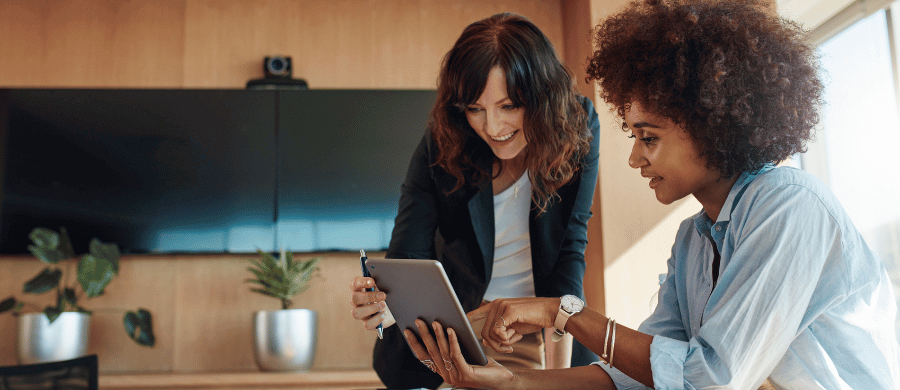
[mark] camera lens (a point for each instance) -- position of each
(277, 66)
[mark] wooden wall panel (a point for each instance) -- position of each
(337, 44)
(222, 43)
(89, 43)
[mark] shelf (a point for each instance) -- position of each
(338, 379)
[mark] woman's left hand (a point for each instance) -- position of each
(443, 355)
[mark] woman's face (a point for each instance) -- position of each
(666, 154)
(496, 119)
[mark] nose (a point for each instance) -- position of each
(636, 158)
(494, 123)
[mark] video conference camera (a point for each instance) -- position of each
(278, 73)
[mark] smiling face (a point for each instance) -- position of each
(496, 119)
(666, 154)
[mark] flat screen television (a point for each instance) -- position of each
(207, 171)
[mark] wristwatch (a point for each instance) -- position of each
(569, 305)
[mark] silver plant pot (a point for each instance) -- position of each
(285, 340)
(40, 341)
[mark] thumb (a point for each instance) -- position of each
(479, 313)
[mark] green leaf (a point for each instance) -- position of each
(139, 326)
(68, 297)
(44, 238)
(94, 274)
(52, 313)
(7, 304)
(110, 252)
(65, 244)
(47, 255)
(45, 281)
(288, 260)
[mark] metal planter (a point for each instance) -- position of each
(285, 340)
(40, 341)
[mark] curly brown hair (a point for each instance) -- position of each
(555, 123)
(741, 80)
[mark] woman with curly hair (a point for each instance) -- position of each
(770, 284)
(499, 190)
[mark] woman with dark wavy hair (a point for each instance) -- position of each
(770, 284)
(499, 190)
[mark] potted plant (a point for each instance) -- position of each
(60, 331)
(284, 340)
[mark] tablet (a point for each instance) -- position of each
(420, 289)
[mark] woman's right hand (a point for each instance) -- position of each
(507, 320)
(369, 306)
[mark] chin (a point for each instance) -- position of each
(508, 153)
(664, 199)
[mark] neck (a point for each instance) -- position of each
(713, 198)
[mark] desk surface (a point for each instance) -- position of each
(332, 380)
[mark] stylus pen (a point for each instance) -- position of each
(362, 260)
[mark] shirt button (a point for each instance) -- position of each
(718, 228)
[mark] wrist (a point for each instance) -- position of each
(552, 310)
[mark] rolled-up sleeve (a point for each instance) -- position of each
(667, 359)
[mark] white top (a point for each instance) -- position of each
(512, 276)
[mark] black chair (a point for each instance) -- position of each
(79, 373)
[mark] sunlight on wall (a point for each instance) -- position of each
(640, 265)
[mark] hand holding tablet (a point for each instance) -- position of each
(420, 289)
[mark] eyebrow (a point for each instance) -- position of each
(641, 125)
(503, 101)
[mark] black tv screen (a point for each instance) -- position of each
(207, 171)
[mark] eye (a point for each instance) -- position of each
(472, 109)
(508, 107)
(649, 140)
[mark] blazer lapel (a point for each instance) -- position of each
(481, 209)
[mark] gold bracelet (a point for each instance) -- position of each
(604, 356)
(612, 349)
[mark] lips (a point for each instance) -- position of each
(654, 180)
(504, 138)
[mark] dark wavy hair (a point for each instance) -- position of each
(555, 124)
(741, 80)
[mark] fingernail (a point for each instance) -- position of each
(382, 304)
(380, 296)
(369, 282)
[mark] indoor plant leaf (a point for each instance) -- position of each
(110, 252)
(139, 326)
(46, 246)
(7, 304)
(68, 298)
(65, 244)
(52, 313)
(94, 273)
(47, 255)
(44, 238)
(45, 281)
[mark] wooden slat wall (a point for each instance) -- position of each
(222, 43)
(201, 307)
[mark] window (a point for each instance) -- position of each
(856, 150)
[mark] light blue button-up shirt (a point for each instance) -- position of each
(800, 300)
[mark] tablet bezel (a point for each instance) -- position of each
(418, 288)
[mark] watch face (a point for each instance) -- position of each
(571, 303)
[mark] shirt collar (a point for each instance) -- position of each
(703, 223)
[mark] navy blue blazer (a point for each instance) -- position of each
(458, 230)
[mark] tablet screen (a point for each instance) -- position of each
(421, 289)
